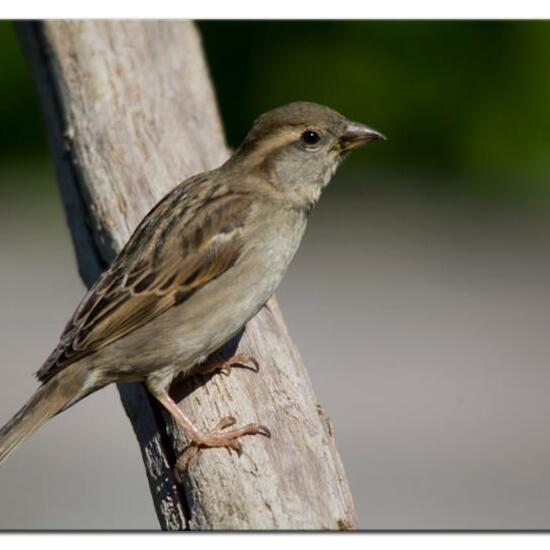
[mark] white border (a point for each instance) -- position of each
(285, 9)
(276, 541)
(281, 9)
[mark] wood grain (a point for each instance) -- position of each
(130, 113)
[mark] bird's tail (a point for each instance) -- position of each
(55, 395)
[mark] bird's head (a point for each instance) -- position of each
(299, 146)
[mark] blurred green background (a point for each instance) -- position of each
(419, 299)
(463, 100)
(464, 103)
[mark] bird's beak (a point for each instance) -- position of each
(357, 134)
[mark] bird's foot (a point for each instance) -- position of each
(218, 437)
(225, 365)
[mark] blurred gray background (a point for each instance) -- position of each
(419, 298)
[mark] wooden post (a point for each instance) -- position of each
(130, 113)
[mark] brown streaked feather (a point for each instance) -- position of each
(163, 264)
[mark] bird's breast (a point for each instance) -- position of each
(199, 326)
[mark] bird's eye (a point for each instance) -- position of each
(310, 137)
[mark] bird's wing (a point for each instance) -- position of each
(185, 242)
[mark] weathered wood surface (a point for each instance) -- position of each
(130, 113)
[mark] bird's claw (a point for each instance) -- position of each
(218, 437)
(224, 366)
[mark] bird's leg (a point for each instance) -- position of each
(225, 365)
(219, 436)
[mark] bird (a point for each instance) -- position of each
(197, 268)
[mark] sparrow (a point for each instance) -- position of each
(198, 267)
